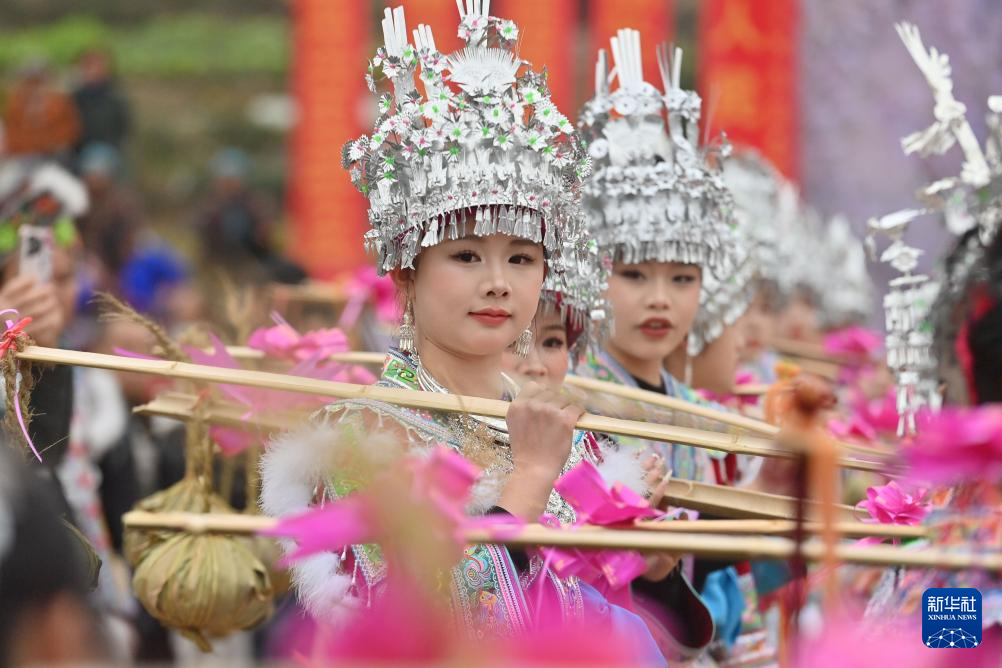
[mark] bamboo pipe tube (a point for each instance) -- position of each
(601, 538)
(754, 426)
(716, 499)
(220, 523)
(814, 351)
(750, 424)
(728, 443)
(737, 503)
(853, 529)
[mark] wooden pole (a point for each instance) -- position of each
(750, 424)
(716, 499)
(601, 538)
(729, 443)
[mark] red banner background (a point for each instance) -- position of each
(548, 32)
(747, 75)
(331, 44)
(655, 19)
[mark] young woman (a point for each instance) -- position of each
(472, 197)
(661, 211)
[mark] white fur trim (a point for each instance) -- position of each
(291, 468)
(622, 465)
(485, 494)
(322, 588)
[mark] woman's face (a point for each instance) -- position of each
(758, 323)
(799, 320)
(547, 360)
(474, 296)
(653, 306)
(716, 366)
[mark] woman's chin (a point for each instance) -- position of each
(484, 346)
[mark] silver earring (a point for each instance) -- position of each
(523, 343)
(406, 332)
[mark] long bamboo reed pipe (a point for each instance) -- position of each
(601, 538)
(752, 425)
(815, 351)
(729, 443)
(716, 499)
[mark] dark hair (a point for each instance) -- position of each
(39, 557)
(967, 317)
(984, 335)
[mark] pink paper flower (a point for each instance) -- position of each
(729, 399)
(284, 341)
(854, 427)
(368, 286)
(890, 504)
(609, 571)
(440, 482)
(846, 643)
(259, 400)
(853, 341)
(956, 445)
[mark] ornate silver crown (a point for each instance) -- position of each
(849, 299)
(723, 300)
(971, 204)
(656, 193)
(577, 289)
(482, 150)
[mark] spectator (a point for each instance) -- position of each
(111, 226)
(236, 227)
(44, 617)
(103, 109)
(40, 120)
(157, 282)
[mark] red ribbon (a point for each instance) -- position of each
(10, 336)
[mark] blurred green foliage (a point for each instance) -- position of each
(188, 44)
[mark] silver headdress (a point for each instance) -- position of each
(577, 288)
(654, 195)
(763, 199)
(906, 306)
(970, 202)
(847, 295)
(482, 151)
(763, 244)
(723, 301)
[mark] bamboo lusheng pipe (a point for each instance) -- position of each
(716, 499)
(454, 403)
(815, 351)
(749, 424)
(737, 503)
(178, 406)
(315, 292)
(229, 523)
(601, 538)
(827, 370)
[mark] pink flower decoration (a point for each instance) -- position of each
(259, 400)
(284, 341)
(956, 445)
(441, 480)
(596, 503)
(845, 643)
(853, 341)
(728, 399)
(609, 571)
(855, 427)
(869, 418)
(368, 286)
(890, 504)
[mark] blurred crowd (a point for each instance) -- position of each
(99, 456)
